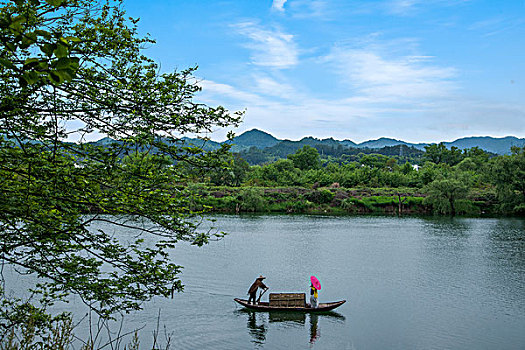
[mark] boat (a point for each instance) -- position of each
(265, 306)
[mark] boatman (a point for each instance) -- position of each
(253, 289)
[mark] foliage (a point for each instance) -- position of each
(72, 70)
(329, 151)
(250, 199)
(444, 193)
(259, 147)
(322, 196)
(58, 335)
(305, 158)
(441, 154)
(232, 173)
(508, 173)
(468, 187)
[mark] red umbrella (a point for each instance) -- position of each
(315, 282)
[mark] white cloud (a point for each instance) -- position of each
(374, 89)
(497, 25)
(403, 79)
(402, 6)
(378, 88)
(271, 87)
(318, 9)
(360, 117)
(278, 5)
(270, 48)
(409, 7)
(214, 92)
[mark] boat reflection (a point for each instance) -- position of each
(291, 318)
(258, 323)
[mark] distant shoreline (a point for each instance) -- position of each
(335, 201)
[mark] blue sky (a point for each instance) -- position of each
(416, 70)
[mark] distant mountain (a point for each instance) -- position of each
(383, 142)
(496, 145)
(262, 140)
(253, 138)
(348, 143)
(312, 141)
(491, 144)
(207, 145)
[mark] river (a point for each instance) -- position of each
(410, 283)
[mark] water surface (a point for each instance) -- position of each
(410, 283)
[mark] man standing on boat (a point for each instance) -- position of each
(253, 289)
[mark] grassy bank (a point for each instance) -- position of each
(329, 200)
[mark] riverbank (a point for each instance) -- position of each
(336, 201)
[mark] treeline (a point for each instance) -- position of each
(333, 152)
(447, 181)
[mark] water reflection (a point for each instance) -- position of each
(258, 323)
(507, 239)
(314, 330)
(256, 330)
(288, 318)
(446, 226)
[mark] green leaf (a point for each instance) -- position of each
(22, 81)
(28, 39)
(31, 62)
(43, 33)
(30, 77)
(61, 51)
(16, 24)
(73, 39)
(62, 63)
(69, 65)
(75, 63)
(43, 65)
(11, 46)
(55, 3)
(7, 63)
(48, 49)
(18, 20)
(55, 78)
(64, 75)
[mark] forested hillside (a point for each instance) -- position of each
(259, 147)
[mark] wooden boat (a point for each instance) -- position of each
(265, 306)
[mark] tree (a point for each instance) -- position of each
(479, 156)
(441, 154)
(376, 161)
(306, 158)
(443, 194)
(72, 70)
(508, 174)
(453, 156)
(232, 174)
(435, 153)
(250, 199)
(407, 168)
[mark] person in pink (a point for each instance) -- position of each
(313, 296)
(315, 286)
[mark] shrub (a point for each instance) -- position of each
(251, 199)
(413, 201)
(323, 196)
